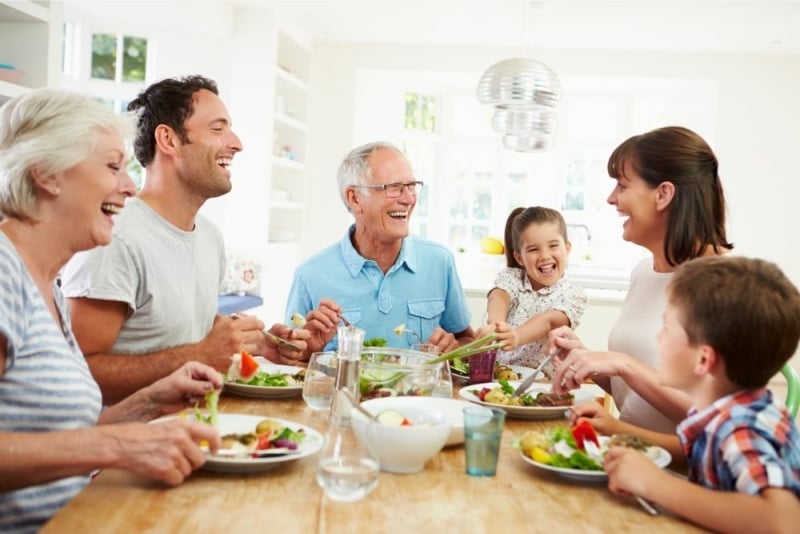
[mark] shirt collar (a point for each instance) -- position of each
(696, 422)
(546, 290)
(355, 261)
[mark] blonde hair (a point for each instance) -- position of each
(51, 130)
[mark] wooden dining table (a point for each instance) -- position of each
(287, 499)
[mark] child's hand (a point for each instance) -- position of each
(629, 472)
(507, 335)
(602, 421)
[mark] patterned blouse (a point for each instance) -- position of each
(526, 302)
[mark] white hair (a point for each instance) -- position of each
(52, 130)
(353, 170)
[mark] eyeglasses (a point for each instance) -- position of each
(396, 189)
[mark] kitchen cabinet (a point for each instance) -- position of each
(30, 40)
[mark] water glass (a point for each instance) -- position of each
(483, 428)
(444, 385)
(481, 367)
(320, 379)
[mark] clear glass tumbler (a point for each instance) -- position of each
(483, 430)
(320, 380)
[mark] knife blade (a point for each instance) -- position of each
(523, 387)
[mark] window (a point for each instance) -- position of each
(472, 182)
(109, 65)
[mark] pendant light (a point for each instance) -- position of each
(524, 93)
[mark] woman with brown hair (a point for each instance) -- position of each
(669, 191)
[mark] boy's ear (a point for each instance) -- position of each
(665, 192)
(707, 360)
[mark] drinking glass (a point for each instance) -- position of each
(444, 386)
(320, 379)
(483, 428)
(481, 367)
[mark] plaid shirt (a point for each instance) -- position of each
(743, 442)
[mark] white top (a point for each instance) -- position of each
(526, 302)
(46, 386)
(635, 334)
(170, 279)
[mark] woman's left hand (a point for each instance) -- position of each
(580, 365)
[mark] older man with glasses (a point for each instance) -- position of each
(379, 277)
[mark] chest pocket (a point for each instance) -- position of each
(424, 315)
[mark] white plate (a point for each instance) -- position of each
(661, 457)
(270, 392)
(229, 423)
(584, 393)
(452, 408)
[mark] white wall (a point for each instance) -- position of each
(756, 136)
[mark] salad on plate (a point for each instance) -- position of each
(578, 452)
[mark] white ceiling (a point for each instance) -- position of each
(750, 26)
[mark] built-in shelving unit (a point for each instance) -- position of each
(30, 40)
(288, 181)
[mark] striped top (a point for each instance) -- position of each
(46, 386)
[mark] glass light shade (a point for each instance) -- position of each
(532, 142)
(539, 120)
(519, 81)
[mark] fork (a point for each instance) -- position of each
(593, 451)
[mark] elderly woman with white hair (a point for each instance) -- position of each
(62, 180)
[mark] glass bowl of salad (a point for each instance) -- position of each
(389, 372)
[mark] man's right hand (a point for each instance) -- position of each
(230, 335)
(323, 323)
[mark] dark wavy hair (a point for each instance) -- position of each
(166, 102)
(745, 308)
(518, 221)
(696, 216)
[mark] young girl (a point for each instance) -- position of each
(530, 296)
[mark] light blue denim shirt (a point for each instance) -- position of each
(421, 290)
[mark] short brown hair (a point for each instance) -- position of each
(745, 308)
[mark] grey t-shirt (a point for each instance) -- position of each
(169, 278)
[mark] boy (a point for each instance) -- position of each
(729, 326)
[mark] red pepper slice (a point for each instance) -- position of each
(584, 431)
(248, 367)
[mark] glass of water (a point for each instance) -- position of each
(320, 380)
(483, 429)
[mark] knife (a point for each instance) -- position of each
(523, 387)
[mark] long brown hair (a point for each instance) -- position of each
(518, 221)
(696, 218)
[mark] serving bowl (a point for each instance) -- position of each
(453, 409)
(391, 372)
(403, 449)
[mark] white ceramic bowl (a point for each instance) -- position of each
(404, 449)
(452, 408)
